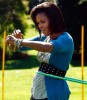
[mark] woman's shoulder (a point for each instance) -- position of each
(66, 36)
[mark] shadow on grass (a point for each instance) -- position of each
(76, 60)
(24, 63)
(30, 61)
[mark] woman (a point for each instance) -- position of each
(55, 48)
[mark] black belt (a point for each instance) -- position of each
(48, 69)
(37, 99)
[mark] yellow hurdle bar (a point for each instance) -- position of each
(82, 57)
(3, 65)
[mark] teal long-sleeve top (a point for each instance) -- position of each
(60, 57)
(63, 48)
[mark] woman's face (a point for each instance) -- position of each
(43, 23)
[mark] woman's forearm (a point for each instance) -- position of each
(37, 45)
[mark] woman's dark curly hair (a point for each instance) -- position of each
(52, 11)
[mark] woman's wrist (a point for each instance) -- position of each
(17, 43)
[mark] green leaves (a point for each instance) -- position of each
(11, 12)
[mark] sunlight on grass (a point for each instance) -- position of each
(76, 89)
(18, 83)
(31, 31)
(32, 52)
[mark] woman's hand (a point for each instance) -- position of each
(17, 33)
(11, 40)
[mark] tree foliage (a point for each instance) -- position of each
(10, 15)
(75, 15)
(11, 18)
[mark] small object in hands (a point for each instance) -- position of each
(17, 33)
(18, 43)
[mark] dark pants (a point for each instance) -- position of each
(37, 99)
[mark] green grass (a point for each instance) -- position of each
(76, 88)
(18, 82)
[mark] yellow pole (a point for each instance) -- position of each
(3, 64)
(82, 57)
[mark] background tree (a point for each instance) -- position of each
(11, 17)
(33, 3)
(11, 12)
(74, 12)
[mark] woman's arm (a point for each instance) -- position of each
(36, 45)
(17, 34)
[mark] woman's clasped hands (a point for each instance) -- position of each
(13, 41)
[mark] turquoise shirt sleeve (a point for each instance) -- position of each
(62, 44)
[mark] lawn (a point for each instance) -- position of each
(18, 82)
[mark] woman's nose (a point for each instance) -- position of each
(40, 26)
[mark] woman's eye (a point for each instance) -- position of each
(42, 21)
